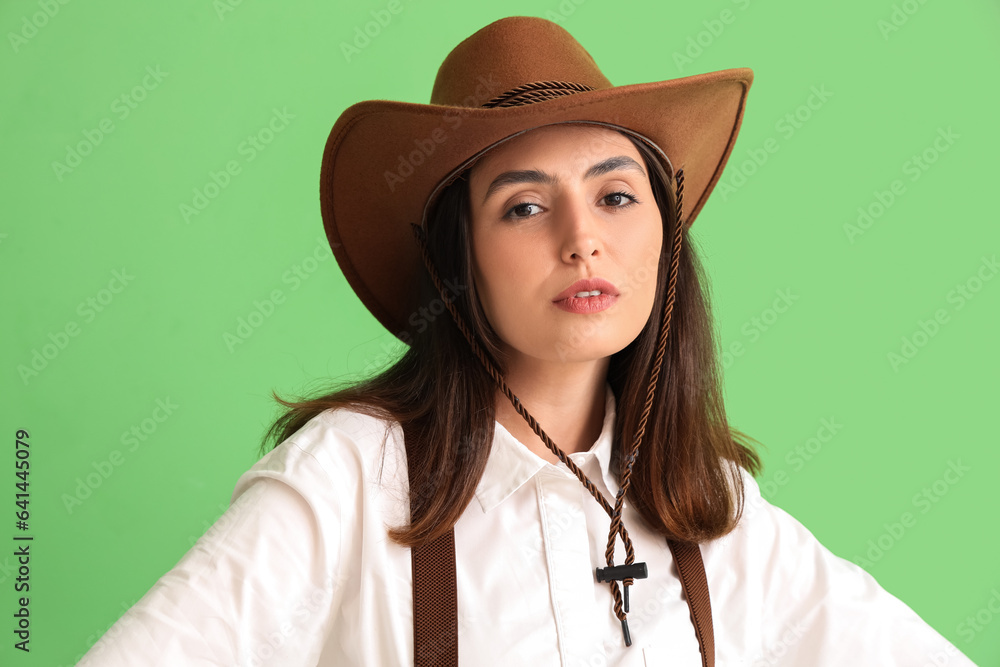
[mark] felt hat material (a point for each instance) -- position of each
(385, 161)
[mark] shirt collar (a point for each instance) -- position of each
(511, 463)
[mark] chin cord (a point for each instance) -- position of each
(630, 570)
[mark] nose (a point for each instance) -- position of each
(579, 230)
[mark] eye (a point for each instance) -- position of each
(520, 206)
(620, 199)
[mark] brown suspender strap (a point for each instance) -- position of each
(435, 598)
(435, 603)
(694, 583)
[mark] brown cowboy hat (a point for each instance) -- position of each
(385, 161)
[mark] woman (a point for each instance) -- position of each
(547, 475)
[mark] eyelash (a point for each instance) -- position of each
(628, 195)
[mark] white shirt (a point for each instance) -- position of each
(299, 571)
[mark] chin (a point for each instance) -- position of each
(588, 350)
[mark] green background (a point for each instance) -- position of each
(887, 95)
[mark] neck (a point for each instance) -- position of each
(567, 401)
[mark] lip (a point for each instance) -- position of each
(590, 304)
(587, 285)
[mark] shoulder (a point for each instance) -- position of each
(758, 518)
(782, 565)
(764, 536)
(803, 603)
(341, 448)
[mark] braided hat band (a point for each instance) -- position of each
(528, 94)
(536, 92)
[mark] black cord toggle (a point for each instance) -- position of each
(633, 571)
(618, 572)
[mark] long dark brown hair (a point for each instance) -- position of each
(684, 482)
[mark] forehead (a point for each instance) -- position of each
(554, 148)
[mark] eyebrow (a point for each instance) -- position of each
(534, 176)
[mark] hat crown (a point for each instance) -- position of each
(510, 53)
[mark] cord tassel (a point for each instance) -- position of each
(625, 633)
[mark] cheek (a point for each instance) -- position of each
(644, 257)
(506, 277)
(488, 261)
(477, 274)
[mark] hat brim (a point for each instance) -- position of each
(383, 159)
